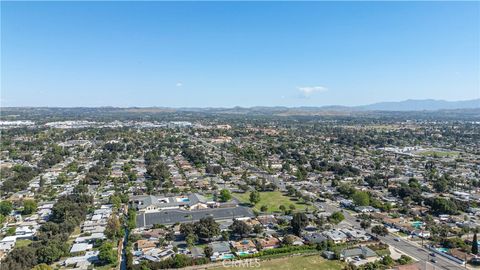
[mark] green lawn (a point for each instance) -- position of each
(296, 262)
(22, 242)
(272, 199)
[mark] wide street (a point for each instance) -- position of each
(407, 247)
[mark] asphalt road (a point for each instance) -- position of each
(407, 247)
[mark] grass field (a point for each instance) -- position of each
(22, 242)
(272, 199)
(297, 263)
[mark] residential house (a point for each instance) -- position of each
(361, 252)
(157, 254)
(269, 243)
(315, 238)
(244, 247)
(80, 247)
(145, 245)
(355, 234)
(336, 236)
(221, 251)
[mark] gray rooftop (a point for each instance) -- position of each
(144, 201)
(172, 216)
(315, 238)
(220, 247)
(359, 251)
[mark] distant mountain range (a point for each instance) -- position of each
(421, 105)
(400, 106)
(408, 109)
(412, 105)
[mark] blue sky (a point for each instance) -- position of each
(202, 54)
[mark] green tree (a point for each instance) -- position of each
(29, 207)
(115, 200)
(257, 228)
(187, 228)
(361, 198)
(388, 261)
(254, 197)
(132, 219)
(404, 259)
(10, 231)
(72, 167)
(52, 252)
(365, 224)
(62, 178)
(444, 206)
(113, 231)
(264, 208)
(107, 254)
(298, 222)
(336, 217)
(207, 228)
(20, 258)
(379, 230)
(475, 244)
(441, 185)
(191, 239)
(413, 183)
(240, 228)
(225, 195)
(208, 251)
(225, 235)
(6, 208)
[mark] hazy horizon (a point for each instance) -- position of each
(237, 54)
(238, 106)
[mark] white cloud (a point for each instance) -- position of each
(179, 84)
(307, 91)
